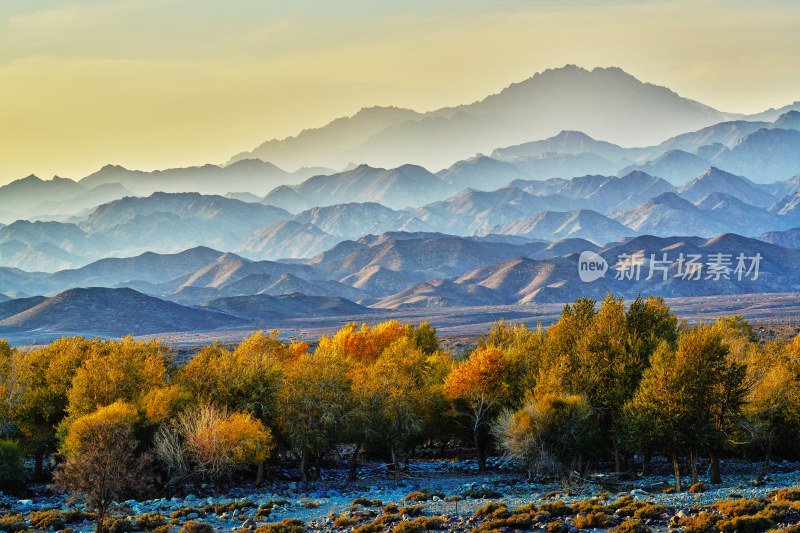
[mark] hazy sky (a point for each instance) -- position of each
(159, 83)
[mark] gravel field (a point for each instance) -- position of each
(315, 503)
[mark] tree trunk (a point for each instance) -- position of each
(645, 464)
(767, 454)
(693, 466)
(101, 518)
(713, 471)
(303, 460)
(476, 437)
(260, 474)
(676, 467)
(38, 465)
(396, 464)
(352, 474)
(617, 463)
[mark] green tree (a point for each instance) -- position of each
(392, 398)
(688, 396)
(313, 401)
(36, 385)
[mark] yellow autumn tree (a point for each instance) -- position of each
(163, 403)
(245, 379)
(122, 370)
(479, 388)
(365, 344)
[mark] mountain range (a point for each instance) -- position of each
(395, 209)
(604, 102)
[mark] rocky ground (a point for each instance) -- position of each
(453, 491)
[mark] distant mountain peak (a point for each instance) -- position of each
(110, 166)
(603, 103)
(671, 199)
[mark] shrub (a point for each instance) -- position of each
(211, 443)
(697, 488)
(591, 505)
(786, 494)
(549, 433)
(411, 510)
(556, 508)
(652, 511)
(386, 519)
(670, 490)
(745, 524)
(794, 528)
(623, 502)
(373, 503)
(493, 510)
(219, 508)
(422, 495)
(515, 521)
(629, 510)
(47, 519)
(344, 521)
(13, 523)
(390, 509)
(118, 525)
(527, 508)
(194, 526)
(288, 525)
(776, 511)
(557, 527)
(12, 462)
(367, 528)
(150, 521)
(423, 523)
(431, 522)
(632, 526)
(591, 520)
(704, 522)
(740, 507)
(409, 527)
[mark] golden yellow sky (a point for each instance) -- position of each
(160, 83)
